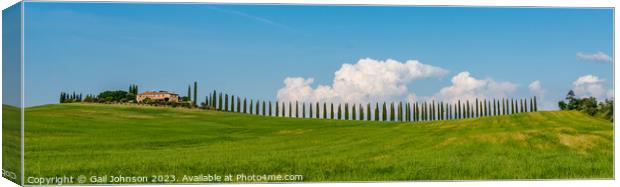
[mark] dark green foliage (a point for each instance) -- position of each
(384, 112)
(368, 112)
(303, 110)
(189, 92)
(226, 102)
(353, 112)
(251, 106)
(264, 113)
(339, 112)
(458, 112)
(220, 102)
(588, 105)
(238, 104)
(376, 111)
(245, 106)
(310, 110)
(346, 111)
(195, 92)
(317, 110)
(296, 109)
(277, 108)
(535, 105)
(106, 96)
(214, 100)
(331, 113)
(270, 107)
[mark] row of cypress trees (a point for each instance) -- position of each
(393, 111)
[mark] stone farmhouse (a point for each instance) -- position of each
(161, 95)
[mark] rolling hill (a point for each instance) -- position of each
(96, 139)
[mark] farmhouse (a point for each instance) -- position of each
(161, 95)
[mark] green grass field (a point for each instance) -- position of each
(93, 139)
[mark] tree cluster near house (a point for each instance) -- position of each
(588, 105)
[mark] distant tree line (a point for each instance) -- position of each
(588, 105)
(392, 111)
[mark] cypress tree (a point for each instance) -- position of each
(296, 109)
(251, 106)
(195, 92)
(277, 108)
(220, 107)
(361, 112)
(368, 112)
(226, 102)
(283, 109)
(377, 112)
(459, 114)
(331, 113)
(535, 105)
(245, 106)
(384, 113)
(232, 103)
(392, 111)
(264, 113)
(214, 100)
(189, 92)
(353, 112)
(346, 111)
(257, 111)
(317, 110)
(206, 101)
(270, 108)
(303, 110)
(310, 115)
(339, 112)
(238, 104)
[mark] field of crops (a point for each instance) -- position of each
(116, 140)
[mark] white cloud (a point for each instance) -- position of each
(368, 80)
(610, 93)
(597, 57)
(589, 86)
(466, 87)
(536, 88)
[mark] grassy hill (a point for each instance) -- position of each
(91, 139)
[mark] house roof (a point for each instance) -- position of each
(157, 93)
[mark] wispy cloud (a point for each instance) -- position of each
(597, 57)
(250, 16)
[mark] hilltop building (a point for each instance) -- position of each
(161, 95)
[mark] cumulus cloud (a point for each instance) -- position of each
(597, 57)
(367, 80)
(466, 87)
(536, 88)
(589, 86)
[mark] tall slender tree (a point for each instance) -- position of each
(339, 112)
(251, 106)
(353, 112)
(331, 113)
(376, 111)
(226, 102)
(324, 110)
(317, 110)
(270, 108)
(189, 92)
(220, 102)
(277, 108)
(195, 92)
(310, 115)
(384, 115)
(303, 110)
(346, 111)
(245, 106)
(264, 113)
(368, 115)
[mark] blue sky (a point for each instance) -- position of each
(250, 50)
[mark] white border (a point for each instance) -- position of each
(519, 3)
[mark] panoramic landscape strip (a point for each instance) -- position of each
(385, 111)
